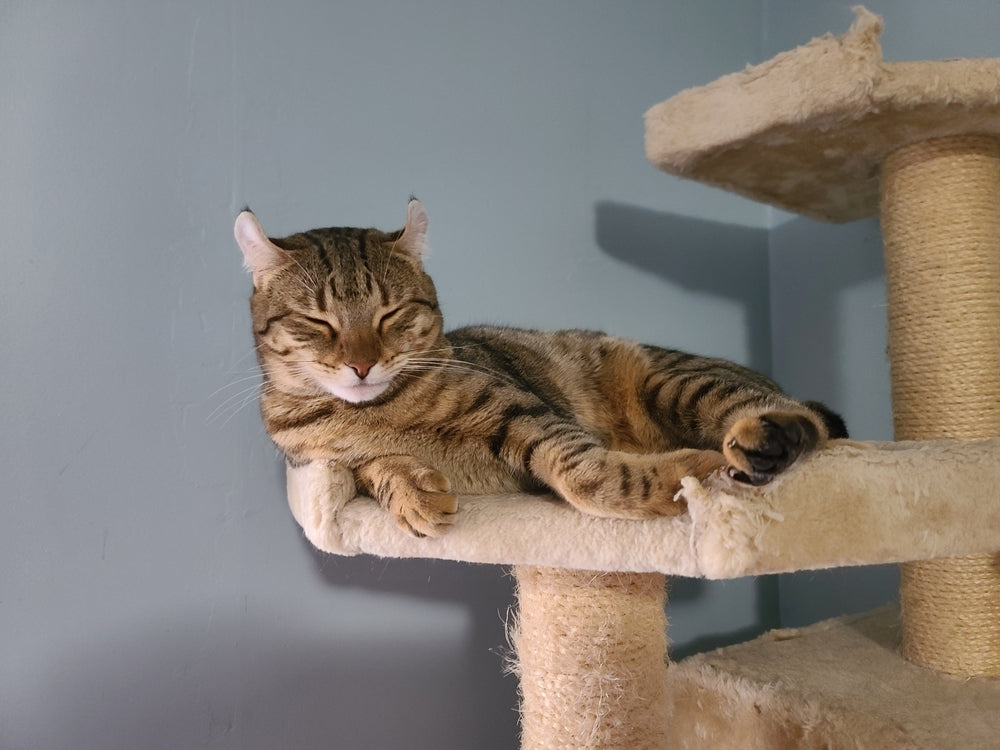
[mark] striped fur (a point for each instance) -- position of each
(357, 370)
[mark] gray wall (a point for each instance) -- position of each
(155, 591)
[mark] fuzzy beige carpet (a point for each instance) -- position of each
(836, 685)
(808, 129)
(851, 504)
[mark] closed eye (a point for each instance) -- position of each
(388, 318)
(395, 314)
(324, 325)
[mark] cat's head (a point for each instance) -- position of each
(341, 311)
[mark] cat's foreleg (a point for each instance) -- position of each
(614, 484)
(417, 495)
(760, 430)
(631, 485)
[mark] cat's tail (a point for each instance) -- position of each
(835, 426)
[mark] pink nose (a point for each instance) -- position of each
(361, 368)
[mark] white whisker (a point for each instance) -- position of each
(234, 404)
(251, 352)
(432, 363)
(254, 376)
(388, 259)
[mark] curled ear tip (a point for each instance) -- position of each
(246, 217)
(415, 210)
(247, 228)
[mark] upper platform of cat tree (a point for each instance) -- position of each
(851, 504)
(807, 130)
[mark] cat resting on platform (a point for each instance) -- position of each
(358, 371)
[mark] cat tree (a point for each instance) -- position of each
(831, 131)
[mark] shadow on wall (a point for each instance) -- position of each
(717, 259)
(181, 684)
(691, 589)
(813, 266)
(486, 592)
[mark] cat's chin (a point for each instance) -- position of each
(360, 392)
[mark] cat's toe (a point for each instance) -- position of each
(427, 513)
(432, 481)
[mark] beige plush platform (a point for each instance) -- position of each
(836, 685)
(851, 504)
(809, 129)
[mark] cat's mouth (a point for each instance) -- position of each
(348, 386)
(359, 392)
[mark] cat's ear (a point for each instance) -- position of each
(260, 255)
(413, 241)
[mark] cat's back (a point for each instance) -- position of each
(527, 354)
(578, 373)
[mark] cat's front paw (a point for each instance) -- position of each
(758, 448)
(426, 506)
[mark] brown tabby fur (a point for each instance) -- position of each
(357, 371)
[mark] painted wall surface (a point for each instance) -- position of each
(827, 281)
(155, 591)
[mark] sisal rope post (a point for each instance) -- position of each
(591, 657)
(940, 206)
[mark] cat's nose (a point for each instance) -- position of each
(361, 369)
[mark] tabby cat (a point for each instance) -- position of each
(358, 371)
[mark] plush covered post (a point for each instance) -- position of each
(591, 656)
(941, 227)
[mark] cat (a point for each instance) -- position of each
(358, 371)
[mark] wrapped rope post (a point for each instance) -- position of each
(591, 657)
(941, 227)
